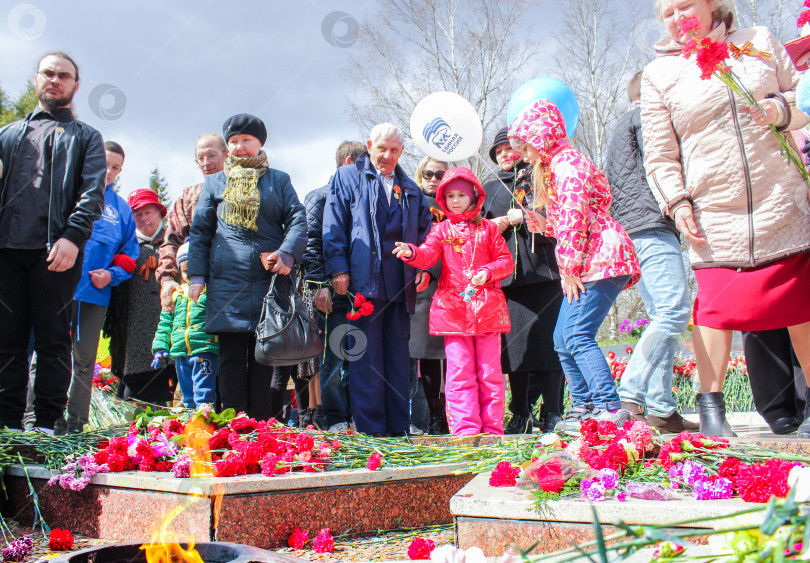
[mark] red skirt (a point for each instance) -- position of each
(768, 297)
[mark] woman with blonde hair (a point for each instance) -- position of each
(718, 171)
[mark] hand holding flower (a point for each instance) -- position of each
(766, 114)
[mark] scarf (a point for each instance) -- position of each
(143, 238)
(241, 197)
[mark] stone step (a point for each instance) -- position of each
(496, 518)
(249, 509)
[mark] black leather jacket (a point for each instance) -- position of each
(78, 170)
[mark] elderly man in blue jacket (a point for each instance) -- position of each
(371, 205)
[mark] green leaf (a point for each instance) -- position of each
(600, 538)
(228, 414)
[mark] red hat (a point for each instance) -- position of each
(464, 179)
(145, 196)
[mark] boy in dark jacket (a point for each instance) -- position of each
(181, 335)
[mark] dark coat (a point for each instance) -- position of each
(530, 267)
(78, 172)
(228, 257)
(421, 344)
(351, 238)
(633, 206)
(314, 263)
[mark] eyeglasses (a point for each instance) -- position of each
(50, 75)
(429, 174)
(207, 156)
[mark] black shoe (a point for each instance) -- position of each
(318, 418)
(60, 426)
(784, 425)
(304, 418)
(397, 434)
(804, 428)
(712, 411)
(548, 421)
(437, 419)
(377, 435)
(520, 424)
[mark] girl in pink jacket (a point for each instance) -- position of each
(469, 308)
(594, 253)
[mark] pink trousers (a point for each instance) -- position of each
(474, 388)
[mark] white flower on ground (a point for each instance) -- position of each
(453, 554)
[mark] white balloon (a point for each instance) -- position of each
(446, 127)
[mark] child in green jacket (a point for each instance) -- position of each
(181, 335)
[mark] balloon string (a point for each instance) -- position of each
(494, 172)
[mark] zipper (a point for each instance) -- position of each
(748, 189)
(50, 195)
(186, 333)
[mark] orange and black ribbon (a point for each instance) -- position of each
(148, 267)
(520, 195)
(437, 213)
(747, 49)
(456, 242)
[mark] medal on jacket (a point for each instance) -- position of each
(397, 191)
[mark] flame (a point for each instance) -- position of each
(165, 547)
(197, 433)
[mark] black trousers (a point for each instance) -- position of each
(777, 380)
(278, 391)
(527, 387)
(31, 296)
(244, 383)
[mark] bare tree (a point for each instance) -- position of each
(411, 48)
(775, 14)
(598, 54)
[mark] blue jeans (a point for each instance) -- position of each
(334, 370)
(665, 292)
(197, 377)
(585, 367)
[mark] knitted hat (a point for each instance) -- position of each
(145, 196)
(463, 185)
(182, 252)
(501, 138)
(244, 124)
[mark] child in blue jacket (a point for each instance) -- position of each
(109, 259)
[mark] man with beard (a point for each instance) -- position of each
(51, 193)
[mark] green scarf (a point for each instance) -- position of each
(241, 197)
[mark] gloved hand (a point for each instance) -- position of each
(161, 359)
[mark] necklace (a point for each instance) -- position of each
(468, 273)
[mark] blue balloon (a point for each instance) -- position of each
(545, 89)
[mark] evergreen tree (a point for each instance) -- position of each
(160, 186)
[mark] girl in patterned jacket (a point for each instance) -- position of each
(469, 307)
(594, 253)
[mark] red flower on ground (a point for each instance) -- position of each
(60, 540)
(298, 539)
(230, 466)
(420, 548)
(304, 442)
(172, 427)
(219, 441)
(324, 542)
(504, 475)
(243, 425)
(730, 468)
(374, 461)
(548, 476)
(759, 481)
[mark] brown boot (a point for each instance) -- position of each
(636, 411)
(673, 423)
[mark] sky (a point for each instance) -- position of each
(155, 75)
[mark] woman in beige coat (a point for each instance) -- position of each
(717, 170)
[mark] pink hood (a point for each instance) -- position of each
(542, 126)
(463, 173)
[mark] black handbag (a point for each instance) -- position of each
(286, 334)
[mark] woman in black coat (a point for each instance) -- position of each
(247, 226)
(533, 295)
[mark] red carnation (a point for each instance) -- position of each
(230, 466)
(589, 425)
(60, 540)
(374, 461)
(324, 542)
(366, 309)
(710, 55)
(759, 481)
(243, 425)
(607, 427)
(219, 441)
(298, 539)
(730, 468)
(304, 442)
(803, 18)
(172, 427)
(420, 548)
(548, 476)
(359, 300)
(353, 316)
(690, 25)
(504, 475)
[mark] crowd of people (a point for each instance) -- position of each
(460, 286)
